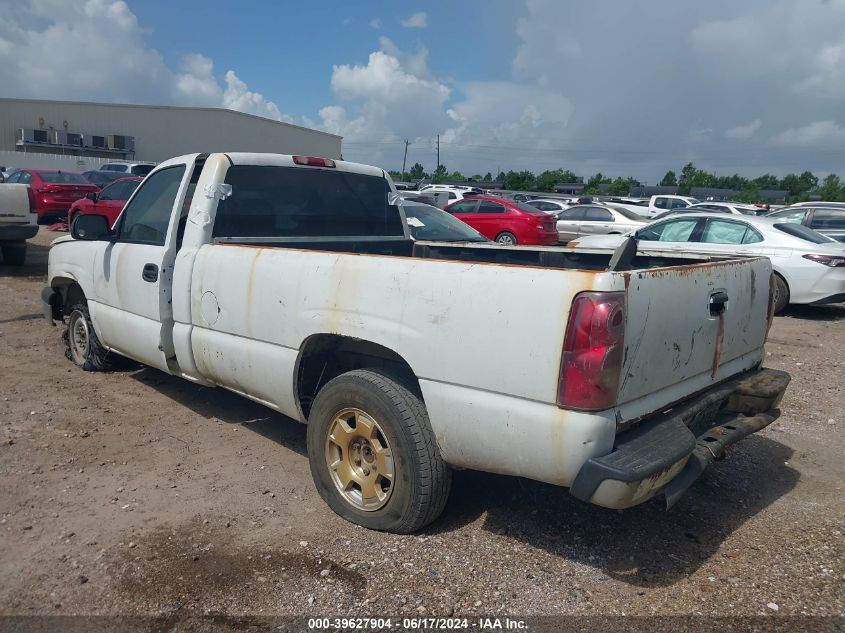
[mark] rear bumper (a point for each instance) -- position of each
(17, 232)
(670, 451)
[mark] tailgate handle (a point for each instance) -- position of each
(718, 302)
(150, 273)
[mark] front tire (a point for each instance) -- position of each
(373, 455)
(83, 348)
(781, 294)
(506, 238)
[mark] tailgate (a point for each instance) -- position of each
(14, 203)
(680, 338)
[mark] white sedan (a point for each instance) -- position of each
(736, 208)
(809, 267)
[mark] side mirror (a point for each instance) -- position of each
(92, 196)
(90, 227)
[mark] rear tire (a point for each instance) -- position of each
(506, 238)
(373, 455)
(83, 348)
(14, 255)
(780, 299)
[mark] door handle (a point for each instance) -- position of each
(150, 273)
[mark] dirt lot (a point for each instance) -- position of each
(138, 493)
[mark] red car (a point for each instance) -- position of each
(506, 221)
(53, 191)
(108, 202)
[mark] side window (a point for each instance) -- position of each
(573, 214)
(672, 231)
(674, 204)
(147, 217)
(660, 203)
(792, 216)
(751, 236)
(723, 232)
(467, 206)
(491, 207)
(111, 192)
(25, 178)
(452, 195)
(14, 177)
(596, 214)
(826, 219)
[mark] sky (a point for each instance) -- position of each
(612, 86)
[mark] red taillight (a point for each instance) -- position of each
(834, 261)
(313, 161)
(592, 351)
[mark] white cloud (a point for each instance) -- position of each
(816, 134)
(238, 96)
(384, 99)
(375, 23)
(743, 132)
(95, 51)
(418, 20)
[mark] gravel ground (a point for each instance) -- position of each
(139, 493)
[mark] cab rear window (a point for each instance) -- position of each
(291, 202)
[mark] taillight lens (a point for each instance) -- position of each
(834, 261)
(592, 351)
(313, 161)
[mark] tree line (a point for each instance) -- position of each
(797, 186)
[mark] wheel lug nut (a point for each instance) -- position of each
(366, 471)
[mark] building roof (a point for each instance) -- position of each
(166, 107)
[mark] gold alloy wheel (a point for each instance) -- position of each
(359, 459)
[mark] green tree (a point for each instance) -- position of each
(621, 186)
(488, 177)
(547, 180)
(831, 188)
(456, 175)
(502, 177)
(669, 180)
(594, 181)
(396, 175)
(520, 180)
(477, 177)
(766, 181)
(688, 175)
(417, 172)
(439, 173)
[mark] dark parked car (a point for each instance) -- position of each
(825, 218)
(428, 223)
(101, 178)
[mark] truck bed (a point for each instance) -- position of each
(555, 257)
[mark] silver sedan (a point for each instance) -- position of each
(596, 219)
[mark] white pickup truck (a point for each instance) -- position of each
(293, 281)
(18, 222)
(663, 203)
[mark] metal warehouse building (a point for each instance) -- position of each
(88, 134)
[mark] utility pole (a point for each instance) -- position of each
(404, 159)
(437, 167)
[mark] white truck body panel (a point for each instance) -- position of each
(239, 316)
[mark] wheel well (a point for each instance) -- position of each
(326, 356)
(70, 291)
(783, 279)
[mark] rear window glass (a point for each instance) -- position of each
(301, 202)
(802, 232)
(142, 170)
(63, 177)
(524, 206)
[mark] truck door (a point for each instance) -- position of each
(132, 275)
